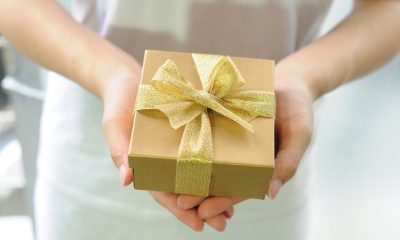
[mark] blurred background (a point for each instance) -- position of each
(356, 156)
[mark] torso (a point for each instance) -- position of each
(73, 154)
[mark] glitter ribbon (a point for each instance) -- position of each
(184, 105)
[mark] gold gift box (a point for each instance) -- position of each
(243, 161)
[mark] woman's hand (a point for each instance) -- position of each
(118, 95)
(184, 208)
(294, 123)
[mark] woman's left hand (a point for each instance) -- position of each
(294, 125)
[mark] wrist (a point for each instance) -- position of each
(99, 63)
(292, 71)
(125, 78)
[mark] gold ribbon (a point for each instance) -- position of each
(184, 105)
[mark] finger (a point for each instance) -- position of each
(218, 222)
(188, 217)
(295, 137)
(187, 201)
(214, 206)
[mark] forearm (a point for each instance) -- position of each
(46, 33)
(364, 41)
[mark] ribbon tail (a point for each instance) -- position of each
(221, 109)
(251, 104)
(194, 165)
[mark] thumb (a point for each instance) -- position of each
(117, 124)
(118, 95)
(117, 128)
(295, 137)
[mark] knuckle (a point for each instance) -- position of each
(113, 117)
(306, 130)
(290, 170)
(118, 155)
(304, 125)
(107, 120)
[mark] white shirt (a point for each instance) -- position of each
(74, 161)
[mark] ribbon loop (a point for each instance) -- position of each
(187, 106)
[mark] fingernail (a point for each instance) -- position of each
(274, 188)
(198, 228)
(122, 174)
(228, 214)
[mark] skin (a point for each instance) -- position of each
(363, 42)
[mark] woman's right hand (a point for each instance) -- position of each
(118, 95)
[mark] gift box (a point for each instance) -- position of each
(204, 125)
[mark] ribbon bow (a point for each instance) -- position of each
(184, 105)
